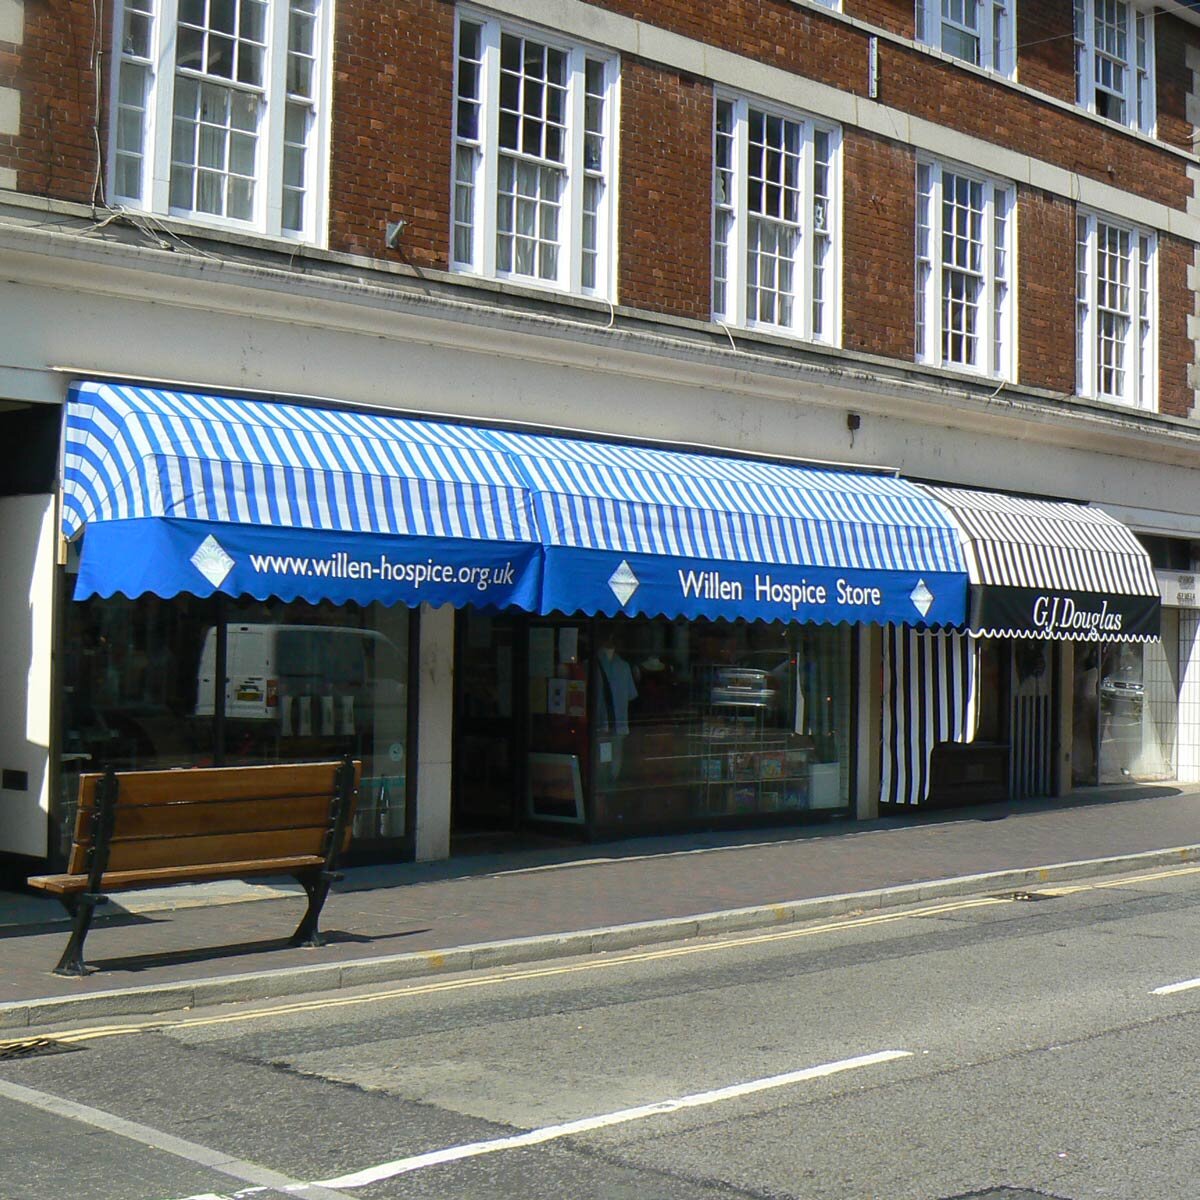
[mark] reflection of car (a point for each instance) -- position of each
(309, 678)
(741, 686)
(763, 679)
(1114, 688)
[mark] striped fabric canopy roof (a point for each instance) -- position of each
(146, 452)
(596, 527)
(1012, 541)
(631, 499)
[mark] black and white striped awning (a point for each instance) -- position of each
(1052, 569)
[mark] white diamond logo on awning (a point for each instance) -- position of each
(211, 561)
(623, 583)
(921, 597)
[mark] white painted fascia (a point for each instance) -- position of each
(1182, 9)
(639, 348)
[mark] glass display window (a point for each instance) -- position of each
(303, 682)
(703, 721)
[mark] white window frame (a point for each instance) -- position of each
(815, 262)
(1103, 29)
(585, 234)
(1122, 370)
(157, 116)
(943, 24)
(944, 339)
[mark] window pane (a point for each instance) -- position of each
(254, 21)
(222, 15)
(190, 49)
(129, 177)
(241, 199)
(191, 12)
(250, 65)
(300, 76)
(137, 34)
(132, 87)
(241, 157)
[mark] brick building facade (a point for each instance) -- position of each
(956, 242)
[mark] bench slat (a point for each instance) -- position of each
(192, 821)
(216, 783)
(113, 881)
(228, 847)
(222, 816)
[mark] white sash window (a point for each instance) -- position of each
(218, 112)
(977, 31)
(533, 158)
(964, 311)
(775, 220)
(1114, 62)
(1116, 334)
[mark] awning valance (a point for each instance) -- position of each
(1052, 569)
(182, 492)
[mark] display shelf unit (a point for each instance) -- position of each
(744, 766)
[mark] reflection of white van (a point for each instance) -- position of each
(312, 679)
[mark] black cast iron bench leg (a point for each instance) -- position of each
(80, 906)
(316, 883)
(316, 887)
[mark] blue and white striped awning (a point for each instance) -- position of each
(182, 492)
(706, 535)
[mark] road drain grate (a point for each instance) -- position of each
(37, 1047)
(1005, 1193)
(1030, 897)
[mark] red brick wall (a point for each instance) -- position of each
(896, 16)
(55, 154)
(1046, 291)
(665, 206)
(392, 152)
(1173, 78)
(393, 96)
(879, 246)
(818, 46)
(1046, 48)
(393, 104)
(1176, 351)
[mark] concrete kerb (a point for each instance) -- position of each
(296, 981)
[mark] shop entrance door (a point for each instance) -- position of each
(489, 729)
(1031, 720)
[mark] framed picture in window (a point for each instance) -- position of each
(554, 791)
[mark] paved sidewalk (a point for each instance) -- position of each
(181, 947)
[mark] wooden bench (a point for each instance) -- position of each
(145, 829)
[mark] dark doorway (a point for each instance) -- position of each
(489, 725)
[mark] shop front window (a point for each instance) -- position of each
(1125, 710)
(303, 682)
(702, 720)
(1134, 743)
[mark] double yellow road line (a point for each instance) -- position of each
(594, 963)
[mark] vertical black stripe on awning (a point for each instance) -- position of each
(929, 696)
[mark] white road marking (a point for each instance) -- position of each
(156, 1139)
(1169, 989)
(535, 1137)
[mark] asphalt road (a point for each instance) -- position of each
(994, 1048)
